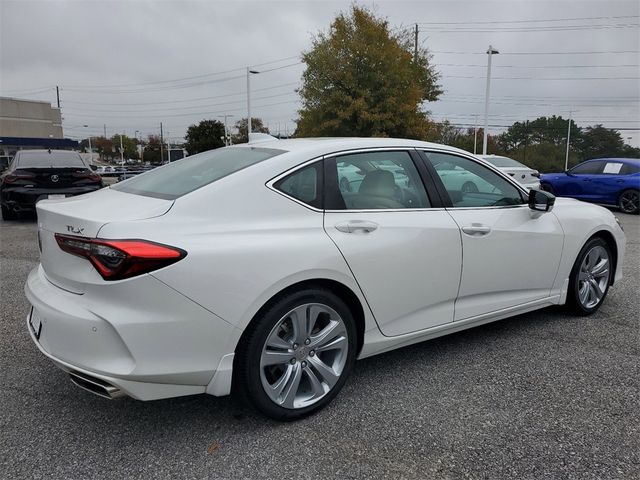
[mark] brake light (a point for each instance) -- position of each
(94, 177)
(119, 259)
(14, 177)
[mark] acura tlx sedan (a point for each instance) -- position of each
(252, 268)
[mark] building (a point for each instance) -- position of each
(30, 124)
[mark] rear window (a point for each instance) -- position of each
(191, 173)
(503, 162)
(28, 159)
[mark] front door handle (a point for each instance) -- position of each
(476, 229)
(356, 226)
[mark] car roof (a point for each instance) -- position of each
(635, 161)
(327, 145)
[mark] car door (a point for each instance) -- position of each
(510, 254)
(607, 185)
(579, 182)
(403, 248)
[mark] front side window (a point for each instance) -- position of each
(304, 185)
(191, 173)
(373, 181)
(470, 184)
(612, 168)
(587, 168)
(629, 169)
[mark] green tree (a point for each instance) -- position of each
(599, 142)
(206, 135)
(104, 147)
(129, 146)
(363, 80)
(152, 150)
(257, 126)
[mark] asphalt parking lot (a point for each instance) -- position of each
(541, 395)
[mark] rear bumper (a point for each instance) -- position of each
(168, 348)
(23, 198)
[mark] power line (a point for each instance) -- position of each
(491, 22)
(536, 29)
(535, 66)
(540, 53)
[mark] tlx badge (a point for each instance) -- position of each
(76, 230)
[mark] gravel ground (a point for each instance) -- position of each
(541, 395)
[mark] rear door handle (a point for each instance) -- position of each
(356, 226)
(476, 229)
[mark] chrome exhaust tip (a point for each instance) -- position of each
(95, 385)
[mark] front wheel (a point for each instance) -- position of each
(298, 354)
(590, 277)
(629, 201)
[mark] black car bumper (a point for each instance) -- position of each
(25, 198)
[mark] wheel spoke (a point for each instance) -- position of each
(274, 357)
(596, 287)
(584, 293)
(289, 392)
(327, 334)
(601, 268)
(326, 373)
(276, 342)
(275, 389)
(299, 319)
(316, 385)
(337, 343)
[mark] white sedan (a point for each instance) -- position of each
(527, 176)
(248, 267)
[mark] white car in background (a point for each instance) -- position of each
(528, 177)
(248, 266)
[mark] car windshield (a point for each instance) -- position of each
(503, 162)
(191, 173)
(28, 159)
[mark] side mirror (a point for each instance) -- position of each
(541, 201)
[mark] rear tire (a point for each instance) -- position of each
(628, 201)
(8, 214)
(288, 372)
(590, 278)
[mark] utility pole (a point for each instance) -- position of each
(105, 129)
(490, 52)
(415, 45)
(566, 158)
(58, 95)
(227, 135)
(121, 150)
(475, 134)
(161, 144)
(249, 73)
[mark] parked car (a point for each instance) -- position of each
(527, 176)
(284, 280)
(34, 175)
(606, 181)
(460, 179)
(4, 163)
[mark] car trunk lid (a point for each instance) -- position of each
(84, 216)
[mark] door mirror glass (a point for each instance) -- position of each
(541, 201)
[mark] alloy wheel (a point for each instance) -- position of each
(304, 356)
(629, 201)
(593, 277)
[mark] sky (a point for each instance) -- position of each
(132, 64)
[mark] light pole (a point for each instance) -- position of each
(249, 73)
(566, 158)
(227, 137)
(90, 149)
(121, 151)
(490, 52)
(475, 134)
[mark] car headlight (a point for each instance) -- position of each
(619, 223)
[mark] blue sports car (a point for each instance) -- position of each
(607, 181)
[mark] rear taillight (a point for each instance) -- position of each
(94, 177)
(14, 177)
(535, 174)
(118, 259)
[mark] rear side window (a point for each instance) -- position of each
(628, 169)
(191, 173)
(28, 159)
(588, 168)
(304, 185)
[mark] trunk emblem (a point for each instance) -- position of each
(55, 178)
(76, 230)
